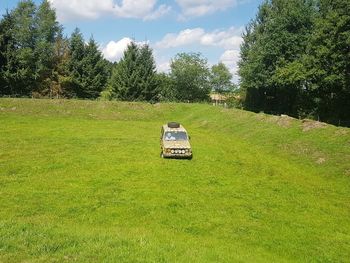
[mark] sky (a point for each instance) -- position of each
(211, 27)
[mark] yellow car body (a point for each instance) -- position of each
(175, 142)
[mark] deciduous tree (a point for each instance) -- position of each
(190, 76)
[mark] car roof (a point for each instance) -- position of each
(181, 128)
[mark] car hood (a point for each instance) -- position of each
(176, 144)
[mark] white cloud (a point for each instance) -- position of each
(185, 37)
(114, 51)
(195, 8)
(226, 40)
(230, 58)
(93, 9)
(163, 66)
(230, 39)
(161, 11)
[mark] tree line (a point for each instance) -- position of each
(37, 60)
(295, 59)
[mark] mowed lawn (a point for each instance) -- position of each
(82, 181)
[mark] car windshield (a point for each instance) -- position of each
(175, 136)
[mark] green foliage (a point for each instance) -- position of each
(75, 63)
(37, 60)
(106, 94)
(190, 75)
(47, 30)
(220, 78)
(147, 74)
(20, 66)
(125, 79)
(94, 78)
(60, 78)
(134, 77)
(166, 87)
(328, 61)
(7, 55)
(273, 43)
(86, 67)
(295, 59)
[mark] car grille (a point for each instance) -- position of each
(179, 151)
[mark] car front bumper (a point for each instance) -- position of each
(177, 155)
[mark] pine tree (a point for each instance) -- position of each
(125, 78)
(22, 61)
(95, 72)
(8, 60)
(75, 65)
(61, 82)
(47, 29)
(147, 73)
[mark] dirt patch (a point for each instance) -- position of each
(341, 132)
(320, 160)
(284, 121)
(306, 151)
(311, 125)
(204, 124)
(260, 116)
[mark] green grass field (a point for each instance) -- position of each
(83, 181)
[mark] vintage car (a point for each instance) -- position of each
(174, 141)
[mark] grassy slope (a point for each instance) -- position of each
(83, 180)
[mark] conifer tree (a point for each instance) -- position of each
(124, 80)
(147, 74)
(8, 61)
(75, 66)
(133, 77)
(61, 82)
(22, 66)
(94, 72)
(47, 29)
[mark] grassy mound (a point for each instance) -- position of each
(83, 181)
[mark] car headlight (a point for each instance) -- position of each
(183, 151)
(172, 151)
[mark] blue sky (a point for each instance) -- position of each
(212, 27)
